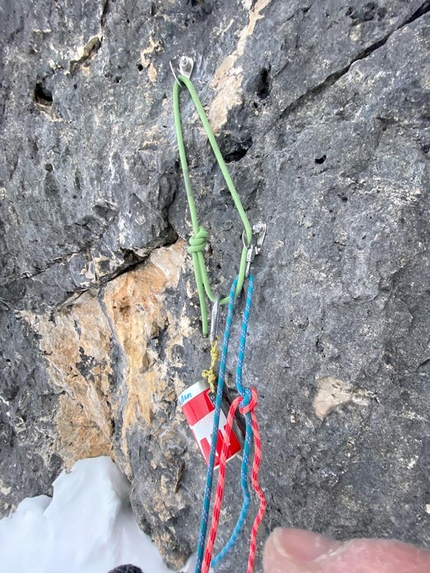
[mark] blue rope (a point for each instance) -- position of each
(246, 394)
(210, 470)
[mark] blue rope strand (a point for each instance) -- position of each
(210, 470)
(246, 394)
(241, 354)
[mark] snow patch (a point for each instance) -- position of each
(86, 527)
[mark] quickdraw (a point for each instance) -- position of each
(196, 401)
(199, 237)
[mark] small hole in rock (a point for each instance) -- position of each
(382, 12)
(48, 167)
(263, 83)
(42, 95)
(235, 150)
(140, 67)
(320, 160)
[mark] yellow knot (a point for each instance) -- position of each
(210, 374)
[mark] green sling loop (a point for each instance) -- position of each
(198, 239)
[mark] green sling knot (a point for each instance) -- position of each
(197, 242)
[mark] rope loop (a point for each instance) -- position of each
(249, 403)
(198, 241)
(246, 402)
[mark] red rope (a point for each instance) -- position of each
(258, 490)
(221, 482)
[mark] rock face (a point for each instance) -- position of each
(321, 110)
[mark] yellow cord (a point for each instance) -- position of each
(210, 374)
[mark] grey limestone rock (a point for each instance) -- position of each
(321, 110)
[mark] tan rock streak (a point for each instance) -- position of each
(153, 47)
(135, 303)
(76, 343)
(333, 392)
(79, 437)
(228, 78)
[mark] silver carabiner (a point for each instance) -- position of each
(215, 318)
(254, 248)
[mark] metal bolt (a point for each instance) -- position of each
(185, 64)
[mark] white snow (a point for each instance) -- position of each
(86, 527)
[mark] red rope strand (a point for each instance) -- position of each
(221, 482)
(258, 490)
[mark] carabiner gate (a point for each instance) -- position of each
(215, 319)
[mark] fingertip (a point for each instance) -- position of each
(294, 549)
